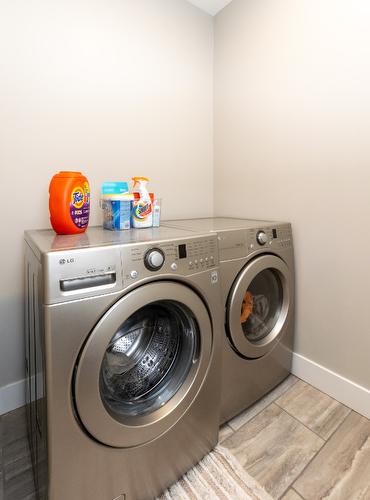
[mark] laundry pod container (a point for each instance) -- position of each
(69, 202)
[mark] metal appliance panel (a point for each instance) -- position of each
(65, 324)
(237, 238)
(245, 378)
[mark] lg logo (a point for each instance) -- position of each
(66, 261)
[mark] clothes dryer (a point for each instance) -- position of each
(123, 360)
(257, 282)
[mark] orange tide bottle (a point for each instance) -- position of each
(69, 202)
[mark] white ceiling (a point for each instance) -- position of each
(210, 6)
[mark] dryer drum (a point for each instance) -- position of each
(148, 358)
(261, 305)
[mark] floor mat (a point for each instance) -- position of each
(218, 476)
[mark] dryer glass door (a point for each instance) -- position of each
(262, 303)
(259, 305)
(143, 364)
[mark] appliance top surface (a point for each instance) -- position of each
(218, 224)
(45, 240)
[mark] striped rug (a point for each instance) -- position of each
(218, 476)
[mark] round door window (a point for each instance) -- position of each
(148, 359)
(261, 306)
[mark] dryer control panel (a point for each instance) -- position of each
(239, 243)
(180, 257)
(279, 236)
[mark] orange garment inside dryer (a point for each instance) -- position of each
(247, 307)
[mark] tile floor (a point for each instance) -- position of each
(16, 480)
(300, 443)
(296, 441)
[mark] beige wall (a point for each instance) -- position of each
(292, 142)
(114, 88)
(117, 88)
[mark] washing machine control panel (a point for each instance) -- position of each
(180, 257)
(87, 272)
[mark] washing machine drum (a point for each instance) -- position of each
(143, 364)
(148, 358)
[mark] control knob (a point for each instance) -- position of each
(154, 259)
(261, 237)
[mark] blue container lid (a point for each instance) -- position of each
(114, 188)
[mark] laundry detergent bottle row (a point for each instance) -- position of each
(69, 202)
(142, 209)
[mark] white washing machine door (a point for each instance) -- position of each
(259, 305)
(143, 364)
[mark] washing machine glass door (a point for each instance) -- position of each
(143, 364)
(259, 305)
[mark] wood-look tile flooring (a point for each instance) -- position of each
(16, 479)
(299, 443)
(296, 441)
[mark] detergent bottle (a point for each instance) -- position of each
(142, 209)
(69, 202)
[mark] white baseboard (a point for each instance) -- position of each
(340, 388)
(12, 396)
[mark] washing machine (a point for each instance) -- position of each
(123, 347)
(257, 281)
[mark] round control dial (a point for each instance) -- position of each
(261, 237)
(154, 259)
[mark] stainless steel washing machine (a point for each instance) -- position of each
(123, 360)
(257, 280)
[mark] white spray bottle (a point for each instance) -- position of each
(142, 210)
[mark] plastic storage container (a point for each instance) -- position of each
(69, 202)
(116, 211)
